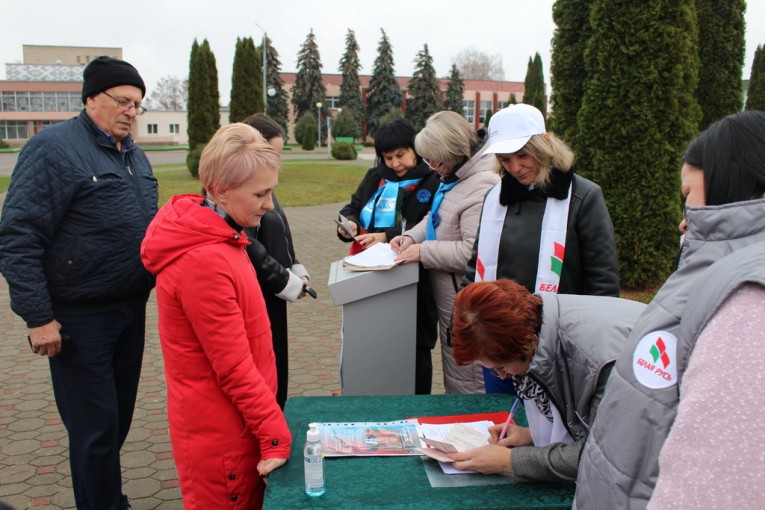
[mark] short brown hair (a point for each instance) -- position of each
(497, 321)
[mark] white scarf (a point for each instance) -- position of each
(551, 246)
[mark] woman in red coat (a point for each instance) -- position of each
(226, 428)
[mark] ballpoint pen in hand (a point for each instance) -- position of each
(403, 229)
(509, 418)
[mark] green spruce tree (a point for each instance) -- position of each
(276, 106)
(384, 93)
(755, 97)
(350, 89)
(345, 125)
(424, 91)
(455, 91)
(308, 89)
(246, 81)
(721, 55)
(567, 71)
(638, 114)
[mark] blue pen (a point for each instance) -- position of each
(509, 418)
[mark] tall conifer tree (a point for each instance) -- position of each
(246, 81)
(755, 97)
(455, 91)
(308, 89)
(721, 54)
(424, 91)
(384, 93)
(350, 89)
(199, 116)
(276, 105)
(213, 103)
(638, 114)
(534, 85)
(567, 71)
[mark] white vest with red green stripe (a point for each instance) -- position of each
(620, 462)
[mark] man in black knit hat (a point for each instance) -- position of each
(81, 196)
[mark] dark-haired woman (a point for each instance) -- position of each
(282, 278)
(686, 393)
(400, 187)
(558, 351)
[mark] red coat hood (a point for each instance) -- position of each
(182, 225)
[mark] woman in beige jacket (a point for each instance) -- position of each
(443, 240)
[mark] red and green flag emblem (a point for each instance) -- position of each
(556, 261)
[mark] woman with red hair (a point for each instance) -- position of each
(558, 351)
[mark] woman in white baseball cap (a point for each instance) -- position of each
(543, 225)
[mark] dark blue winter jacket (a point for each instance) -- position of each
(73, 222)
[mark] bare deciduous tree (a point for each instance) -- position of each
(477, 65)
(170, 94)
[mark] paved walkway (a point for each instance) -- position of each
(34, 466)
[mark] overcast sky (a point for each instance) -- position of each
(156, 35)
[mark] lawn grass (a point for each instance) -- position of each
(301, 182)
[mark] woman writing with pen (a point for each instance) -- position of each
(397, 191)
(558, 351)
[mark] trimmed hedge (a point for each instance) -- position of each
(344, 150)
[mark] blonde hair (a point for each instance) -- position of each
(232, 156)
(447, 138)
(549, 151)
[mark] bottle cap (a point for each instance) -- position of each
(313, 433)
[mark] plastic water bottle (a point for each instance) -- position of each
(313, 462)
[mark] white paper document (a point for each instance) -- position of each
(457, 437)
(377, 256)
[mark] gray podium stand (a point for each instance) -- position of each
(379, 328)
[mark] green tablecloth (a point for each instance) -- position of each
(395, 482)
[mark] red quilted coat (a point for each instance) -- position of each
(219, 360)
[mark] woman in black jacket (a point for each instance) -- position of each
(282, 278)
(400, 187)
(543, 226)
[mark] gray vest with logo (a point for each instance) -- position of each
(619, 464)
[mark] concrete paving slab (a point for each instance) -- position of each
(34, 468)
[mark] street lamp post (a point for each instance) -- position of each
(265, 84)
(318, 119)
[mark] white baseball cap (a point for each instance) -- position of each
(511, 127)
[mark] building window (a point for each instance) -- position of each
(502, 104)
(49, 101)
(35, 101)
(14, 129)
(23, 101)
(486, 107)
(174, 129)
(468, 110)
(332, 102)
(151, 128)
(8, 102)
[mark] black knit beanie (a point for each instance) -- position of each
(107, 72)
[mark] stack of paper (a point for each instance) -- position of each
(376, 257)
